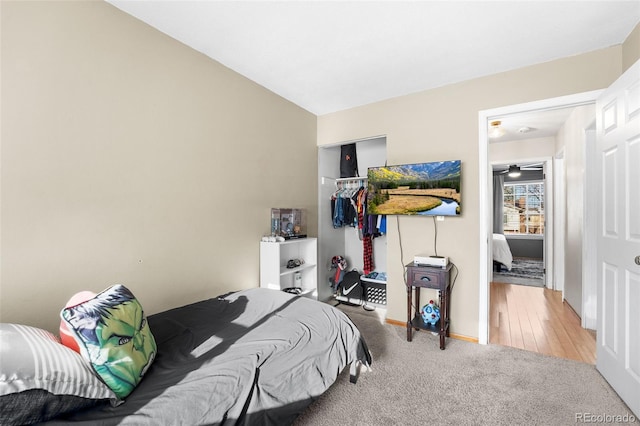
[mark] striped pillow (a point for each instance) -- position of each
(51, 377)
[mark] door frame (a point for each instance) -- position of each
(559, 212)
(590, 236)
(484, 175)
(549, 225)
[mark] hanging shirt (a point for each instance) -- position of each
(338, 213)
(382, 224)
(367, 254)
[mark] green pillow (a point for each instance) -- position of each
(113, 335)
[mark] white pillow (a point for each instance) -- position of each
(52, 379)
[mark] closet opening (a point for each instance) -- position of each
(335, 238)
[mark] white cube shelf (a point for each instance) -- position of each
(274, 257)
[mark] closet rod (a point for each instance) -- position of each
(350, 179)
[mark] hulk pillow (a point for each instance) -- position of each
(113, 335)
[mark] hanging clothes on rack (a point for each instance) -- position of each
(337, 210)
(343, 207)
(350, 214)
(349, 208)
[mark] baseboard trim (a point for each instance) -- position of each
(396, 322)
(451, 335)
(462, 337)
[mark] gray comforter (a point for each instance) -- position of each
(251, 357)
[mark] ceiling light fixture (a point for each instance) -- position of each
(514, 171)
(495, 131)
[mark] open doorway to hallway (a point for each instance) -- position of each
(515, 152)
(524, 215)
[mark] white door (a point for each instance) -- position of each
(618, 250)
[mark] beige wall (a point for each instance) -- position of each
(572, 137)
(442, 124)
(129, 158)
(504, 152)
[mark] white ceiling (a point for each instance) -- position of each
(327, 56)
(531, 125)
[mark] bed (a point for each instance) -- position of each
(255, 356)
(501, 252)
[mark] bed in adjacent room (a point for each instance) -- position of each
(255, 356)
(501, 252)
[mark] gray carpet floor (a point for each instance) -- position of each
(465, 384)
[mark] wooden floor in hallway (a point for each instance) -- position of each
(536, 319)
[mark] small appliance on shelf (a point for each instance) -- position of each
(288, 223)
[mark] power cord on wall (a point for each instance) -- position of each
(435, 239)
(404, 273)
(435, 236)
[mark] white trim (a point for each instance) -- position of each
(589, 235)
(484, 224)
(559, 213)
(549, 226)
(336, 144)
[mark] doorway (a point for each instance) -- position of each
(519, 219)
(486, 208)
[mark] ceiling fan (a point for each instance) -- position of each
(515, 170)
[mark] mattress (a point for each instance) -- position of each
(255, 356)
(501, 251)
